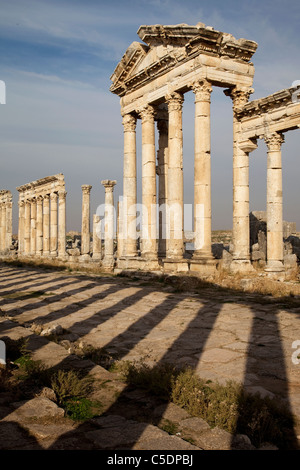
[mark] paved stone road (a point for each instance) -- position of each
(220, 334)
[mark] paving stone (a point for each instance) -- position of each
(36, 408)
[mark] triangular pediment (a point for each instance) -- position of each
(166, 46)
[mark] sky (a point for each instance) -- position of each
(56, 59)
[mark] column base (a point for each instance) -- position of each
(205, 266)
(96, 257)
(241, 265)
(138, 263)
(274, 266)
(175, 265)
(200, 255)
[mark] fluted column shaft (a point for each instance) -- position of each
(85, 221)
(39, 226)
(175, 177)
(149, 249)
(162, 160)
(109, 222)
(46, 225)
(53, 224)
(129, 187)
(8, 223)
(274, 202)
(202, 170)
(62, 223)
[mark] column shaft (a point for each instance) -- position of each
(129, 187)
(175, 177)
(33, 227)
(21, 227)
(53, 224)
(46, 225)
(240, 227)
(162, 160)
(274, 203)
(85, 224)
(27, 227)
(202, 171)
(62, 223)
(149, 249)
(109, 222)
(39, 226)
(97, 235)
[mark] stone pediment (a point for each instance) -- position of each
(167, 46)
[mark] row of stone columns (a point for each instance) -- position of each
(170, 192)
(170, 171)
(42, 225)
(5, 220)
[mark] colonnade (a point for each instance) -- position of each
(5, 220)
(42, 220)
(169, 222)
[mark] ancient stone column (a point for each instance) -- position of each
(21, 227)
(39, 225)
(27, 227)
(8, 220)
(241, 202)
(109, 223)
(97, 241)
(162, 170)
(53, 224)
(46, 225)
(62, 223)
(202, 171)
(33, 226)
(274, 203)
(240, 227)
(129, 187)
(85, 222)
(120, 239)
(175, 177)
(149, 249)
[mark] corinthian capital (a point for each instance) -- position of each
(129, 123)
(175, 101)
(239, 96)
(202, 90)
(147, 113)
(274, 141)
(86, 188)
